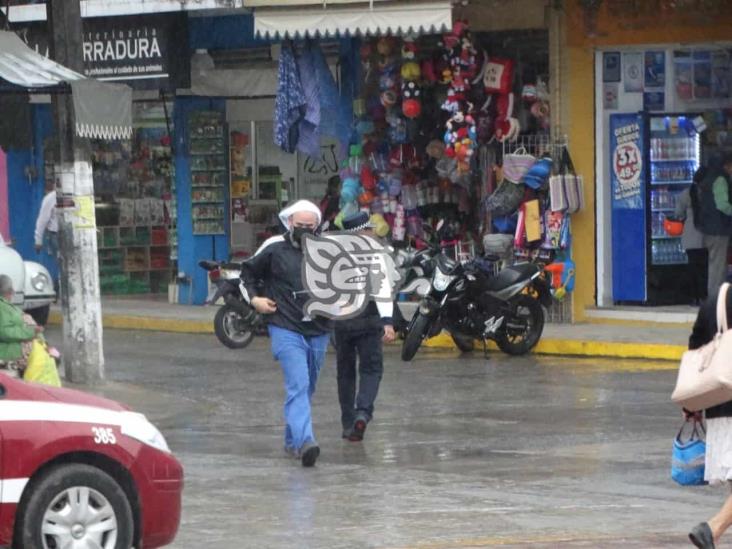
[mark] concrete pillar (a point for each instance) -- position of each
(82, 315)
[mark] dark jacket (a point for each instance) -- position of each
(278, 264)
(703, 332)
(369, 319)
(713, 222)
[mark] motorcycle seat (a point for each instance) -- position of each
(208, 264)
(511, 275)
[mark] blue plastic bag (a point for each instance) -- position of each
(687, 458)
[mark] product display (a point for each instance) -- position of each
(208, 164)
(136, 207)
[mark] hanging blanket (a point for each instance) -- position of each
(290, 102)
(309, 136)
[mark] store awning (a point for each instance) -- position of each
(345, 19)
(102, 111)
(26, 68)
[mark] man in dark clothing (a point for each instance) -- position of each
(298, 342)
(716, 217)
(361, 338)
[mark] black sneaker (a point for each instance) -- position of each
(309, 454)
(347, 432)
(701, 536)
(359, 428)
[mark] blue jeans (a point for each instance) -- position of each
(301, 358)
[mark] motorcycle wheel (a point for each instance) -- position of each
(522, 331)
(416, 333)
(464, 343)
(227, 326)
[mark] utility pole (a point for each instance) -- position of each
(83, 354)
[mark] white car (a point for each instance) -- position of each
(32, 283)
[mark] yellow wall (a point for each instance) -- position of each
(581, 38)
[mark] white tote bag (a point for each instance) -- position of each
(705, 374)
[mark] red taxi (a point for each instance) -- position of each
(77, 470)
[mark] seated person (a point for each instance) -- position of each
(15, 333)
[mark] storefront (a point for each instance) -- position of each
(430, 121)
(384, 160)
(133, 178)
(660, 75)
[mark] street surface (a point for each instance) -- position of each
(463, 452)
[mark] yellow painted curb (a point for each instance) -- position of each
(567, 347)
(125, 322)
(581, 347)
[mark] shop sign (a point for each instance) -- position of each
(627, 165)
(143, 51)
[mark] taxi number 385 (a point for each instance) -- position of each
(103, 435)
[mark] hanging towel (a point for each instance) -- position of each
(309, 138)
(289, 103)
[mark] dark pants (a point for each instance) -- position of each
(367, 345)
(697, 273)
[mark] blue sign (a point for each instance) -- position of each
(626, 161)
(628, 208)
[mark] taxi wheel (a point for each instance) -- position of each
(74, 505)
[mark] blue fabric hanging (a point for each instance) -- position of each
(329, 96)
(289, 103)
(309, 142)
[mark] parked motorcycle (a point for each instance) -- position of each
(236, 322)
(471, 302)
(415, 270)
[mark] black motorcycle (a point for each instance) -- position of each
(415, 269)
(471, 302)
(236, 322)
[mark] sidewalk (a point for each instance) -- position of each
(629, 340)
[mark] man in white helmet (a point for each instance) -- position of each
(298, 342)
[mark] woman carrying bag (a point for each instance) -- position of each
(718, 459)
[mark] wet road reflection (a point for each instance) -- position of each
(463, 452)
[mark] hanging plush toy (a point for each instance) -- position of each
(411, 100)
(507, 126)
(410, 68)
(350, 190)
(460, 138)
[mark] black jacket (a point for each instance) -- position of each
(278, 264)
(713, 222)
(703, 332)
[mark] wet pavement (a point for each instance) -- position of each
(463, 452)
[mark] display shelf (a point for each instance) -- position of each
(663, 209)
(664, 237)
(208, 170)
(670, 182)
(655, 262)
(679, 159)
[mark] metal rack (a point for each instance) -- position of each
(541, 145)
(537, 145)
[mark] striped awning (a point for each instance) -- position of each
(345, 19)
